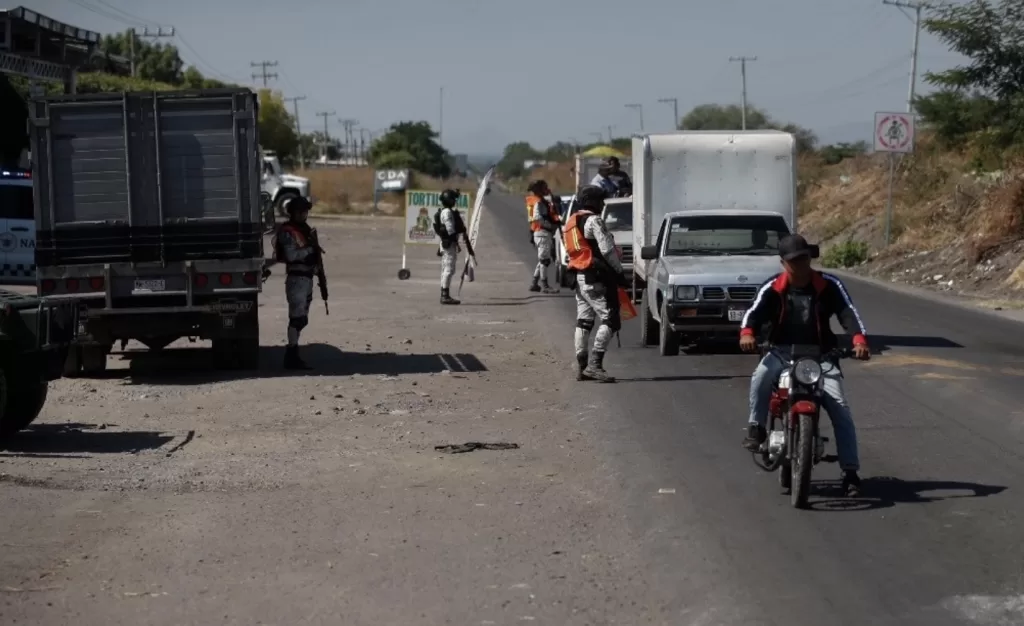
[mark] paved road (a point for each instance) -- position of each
(941, 427)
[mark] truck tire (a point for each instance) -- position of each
(19, 408)
(94, 359)
(649, 327)
(668, 340)
(283, 199)
(73, 363)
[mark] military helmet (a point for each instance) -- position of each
(538, 187)
(591, 196)
(449, 197)
(298, 203)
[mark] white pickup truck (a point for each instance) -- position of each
(709, 210)
(280, 186)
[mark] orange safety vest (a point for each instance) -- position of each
(581, 255)
(531, 204)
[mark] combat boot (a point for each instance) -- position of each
(292, 361)
(535, 285)
(595, 369)
(581, 366)
(546, 288)
(446, 298)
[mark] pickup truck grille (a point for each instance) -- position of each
(627, 254)
(741, 294)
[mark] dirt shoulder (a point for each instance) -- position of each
(168, 493)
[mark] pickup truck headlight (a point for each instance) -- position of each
(686, 292)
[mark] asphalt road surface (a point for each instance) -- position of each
(937, 538)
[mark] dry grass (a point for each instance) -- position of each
(349, 190)
(559, 176)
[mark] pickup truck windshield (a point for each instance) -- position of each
(716, 235)
(618, 216)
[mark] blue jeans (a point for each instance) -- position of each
(833, 401)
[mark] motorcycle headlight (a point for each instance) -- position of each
(807, 371)
(686, 292)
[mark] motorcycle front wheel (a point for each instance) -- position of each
(802, 461)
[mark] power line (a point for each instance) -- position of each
(675, 110)
(917, 6)
(743, 76)
(263, 65)
(327, 136)
(298, 129)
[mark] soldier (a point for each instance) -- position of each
(295, 247)
(448, 225)
(597, 272)
(544, 222)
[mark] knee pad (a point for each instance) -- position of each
(587, 325)
(298, 323)
(545, 262)
(613, 321)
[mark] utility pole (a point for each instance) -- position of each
(743, 76)
(348, 125)
(610, 134)
(675, 110)
(600, 137)
(917, 6)
(132, 34)
(440, 121)
(640, 108)
(298, 128)
(327, 136)
(263, 65)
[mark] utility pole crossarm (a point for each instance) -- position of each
(263, 65)
(134, 34)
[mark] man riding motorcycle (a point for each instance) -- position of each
(796, 307)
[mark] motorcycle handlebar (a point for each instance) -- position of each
(835, 353)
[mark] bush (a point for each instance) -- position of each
(846, 254)
(98, 82)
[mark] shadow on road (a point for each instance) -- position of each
(883, 492)
(881, 343)
(658, 379)
(564, 295)
(186, 366)
(76, 440)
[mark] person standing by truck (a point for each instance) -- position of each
(597, 274)
(297, 249)
(544, 222)
(612, 179)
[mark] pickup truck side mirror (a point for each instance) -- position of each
(649, 253)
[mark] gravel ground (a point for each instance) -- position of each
(167, 493)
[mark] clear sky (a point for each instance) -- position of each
(544, 70)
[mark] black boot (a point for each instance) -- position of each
(535, 285)
(581, 366)
(446, 297)
(292, 361)
(546, 288)
(756, 434)
(595, 369)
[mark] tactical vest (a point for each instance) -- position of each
(441, 231)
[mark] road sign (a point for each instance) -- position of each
(894, 132)
(391, 180)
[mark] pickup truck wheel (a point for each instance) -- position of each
(283, 199)
(668, 340)
(649, 327)
(23, 407)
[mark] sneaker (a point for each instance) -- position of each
(756, 435)
(851, 484)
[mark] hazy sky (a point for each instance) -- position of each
(544, 70)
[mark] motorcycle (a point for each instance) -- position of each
(794, 444)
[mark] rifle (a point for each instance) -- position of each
(321, 277)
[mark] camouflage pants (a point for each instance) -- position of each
(449, 262)
(591, 309)
(545, 243)
(298, 290)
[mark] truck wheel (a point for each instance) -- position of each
(94, 359)
(668, 340)
(23, 407)
(649, 327)
(283, 199)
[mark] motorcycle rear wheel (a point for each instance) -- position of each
(802, 461)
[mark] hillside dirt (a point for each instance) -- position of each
(165, 492)
(349, 190)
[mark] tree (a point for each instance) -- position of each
(560, 152)
(410, 145)
(153, 61)
(838, 152)
(512, 163)
(277, 127)
(987, 94)
(730, 117)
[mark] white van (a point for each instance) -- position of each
(17, 228)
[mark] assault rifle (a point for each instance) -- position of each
(321, 277)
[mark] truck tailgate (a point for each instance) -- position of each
(149, 176)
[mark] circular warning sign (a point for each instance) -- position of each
(894, 132)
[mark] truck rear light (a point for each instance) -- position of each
(96, 283)
(72, 284)
(225, 279)
(249, 278)
(48, 286)
(201, 280)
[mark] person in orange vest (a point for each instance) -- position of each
(544, 223)
(294, 247)
(595, 269)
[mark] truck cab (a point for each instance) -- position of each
(280, 186)
(618, 219)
